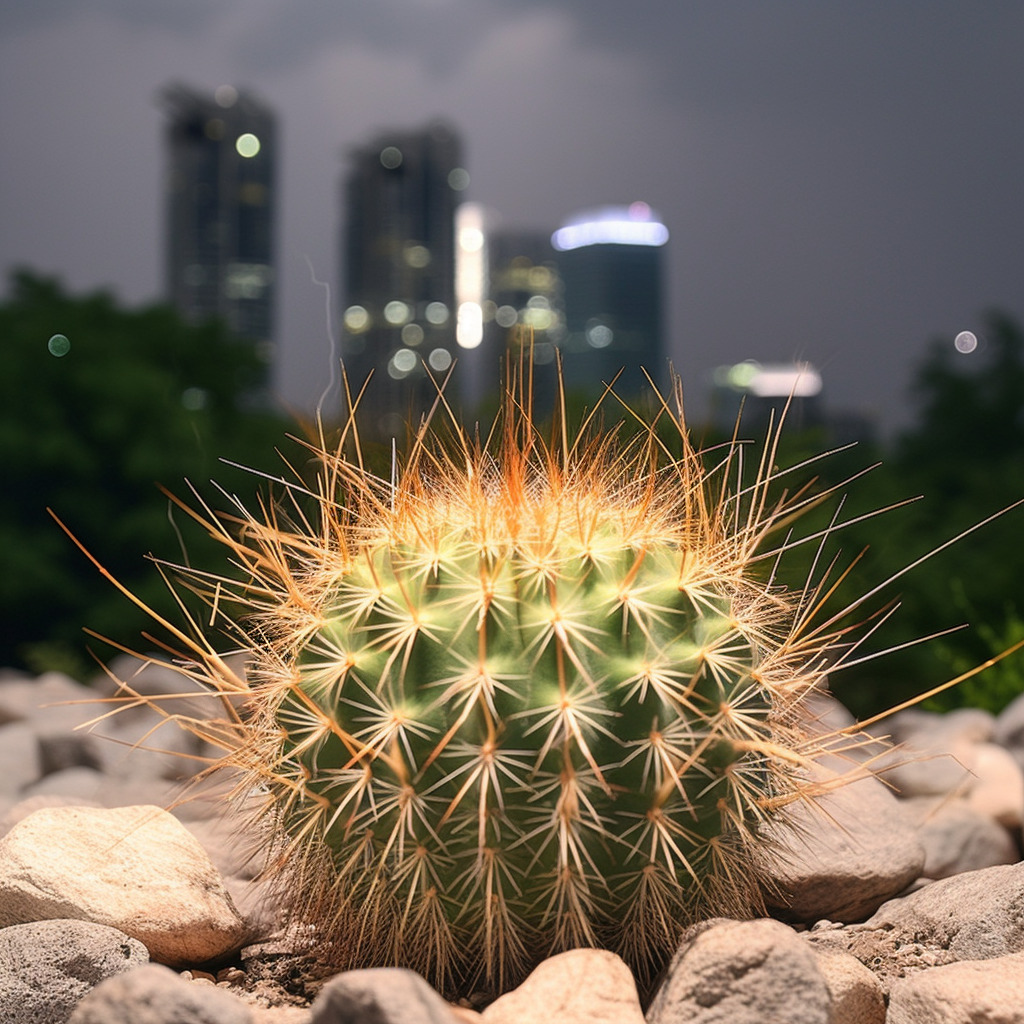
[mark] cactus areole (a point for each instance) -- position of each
(528, 695)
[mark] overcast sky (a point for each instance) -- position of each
(843, 181)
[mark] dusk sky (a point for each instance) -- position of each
(842, 181)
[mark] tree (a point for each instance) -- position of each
(138, 398)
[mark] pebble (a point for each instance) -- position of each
(380, 995)
(581, 986)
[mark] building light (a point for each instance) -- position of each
(613, 225)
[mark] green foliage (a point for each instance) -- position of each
(139, 398)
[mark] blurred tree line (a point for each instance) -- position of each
(140, 398)
(960, 462)
(89, 427)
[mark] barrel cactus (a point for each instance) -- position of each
(524, 696)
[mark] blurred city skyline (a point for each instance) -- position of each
(841, 184)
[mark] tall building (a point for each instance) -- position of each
(400, 195)
(611, 265)
(220, 210)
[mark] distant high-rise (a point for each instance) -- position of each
(611, 265)
(220, 207)
(401, 191)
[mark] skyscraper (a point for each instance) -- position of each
(220, 203)
(401, 191)
(611, 265)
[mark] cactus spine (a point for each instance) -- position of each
(525, 697)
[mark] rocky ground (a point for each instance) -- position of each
(120, 904)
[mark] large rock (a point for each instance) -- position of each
(20, 761)
(843, 855)
(855, 994)
(46, 967)
(971, 992)
(974, 916)
(133, 868)
(997, 785)
(157, 995)
(380, 995)
(957, 838)
(581, 986)
(742, 972)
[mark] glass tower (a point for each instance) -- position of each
(220, 204)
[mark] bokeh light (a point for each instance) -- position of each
(58, 345)
(966, 342)
(247, 145)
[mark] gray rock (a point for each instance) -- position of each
(133, 868)
(974, 916)
(581, 986)
(20, 763)
(1009, 727)
(380, 995)
(957, 838)
(742, 972)
(157, 995)
(843, 855)
(46, 967)
(989, 991)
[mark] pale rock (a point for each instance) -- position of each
(970, 992)
(742, 972)
(957, 838)
(46, 967)
(843, 855)
(1009, 726)
(923, 728)
(930, 766)
(89, 785)
(997, 786)
(380, 995)
(157, 995)
(133, 868)
(53, 700)
(20, 761)
(855, 994)
(974, 916)
(580, 986)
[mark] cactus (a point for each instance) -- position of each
(522, 697)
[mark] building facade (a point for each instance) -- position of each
(610, 262)
(400, 195)
(220, 211)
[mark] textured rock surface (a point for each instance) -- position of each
(973, 992)
(582, 986)
(382, 995)
(46, 967)
(855, 995)
(133, 868)
(845, 857)
(157, 995)
(742, 972)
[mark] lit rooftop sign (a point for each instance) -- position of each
(614, 225)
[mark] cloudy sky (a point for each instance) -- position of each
(843, 181)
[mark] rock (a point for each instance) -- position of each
(930, 768)
(20, 763)
(997, 785)
(974, 916)
(742, 972)
(93, 786)
(962, 993)
(957, 838)
(1009, 726)
(133, 868)
(380, 995)
(581, 986)
(53, 701)
(157, 995)
(844, 856)
(46, 967)
(855, 994)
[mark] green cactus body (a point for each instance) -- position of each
(521, 712)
